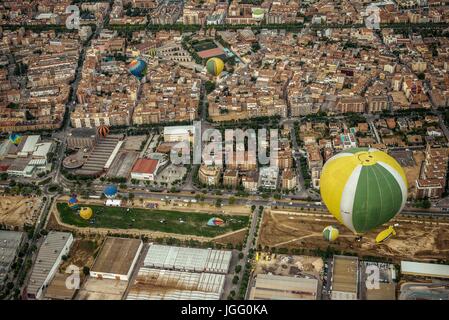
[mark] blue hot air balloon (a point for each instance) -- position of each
(73, 202)
(138, 68)
(110, 191)
(15, 138)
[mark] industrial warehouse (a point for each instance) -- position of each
(188, 259)
(178, 273)
(116, 259)
(55, 246)
(10, 243)
(275, 287)
(157, 284)
(344, 278)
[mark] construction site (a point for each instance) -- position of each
(15, 211)
(421, 239)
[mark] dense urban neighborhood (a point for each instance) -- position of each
(202, 150)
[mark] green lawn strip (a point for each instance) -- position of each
(117, 218)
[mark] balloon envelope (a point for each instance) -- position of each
(86, 213)
(363, 188)
(138, 68)
(330, 233)
(110, 191)
(385, 234)
(73, 203)
(215, 222)
(103, 130)
(214, 66)
(15, 138)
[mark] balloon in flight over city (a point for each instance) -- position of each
(214, 66)
(86, 213)
(330, 233)
(138, 68)
(363, 188)
(103, 131)
(73, 202)
(110, 191)
(15, 138)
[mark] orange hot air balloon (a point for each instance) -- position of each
(103, 131)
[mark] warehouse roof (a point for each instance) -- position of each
(9, 245)
(344, 278)
(274, 287)
(46, 258)
(157, 284)
(42, 149)
(30, 143)
(425, 269)
(58, 289)
(176, 130)
(192, 259)
(116, 255)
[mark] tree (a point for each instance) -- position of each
(238, 268)
(241, 255)
(232, 200)
(86, 270)
(426, 204)
(235, 280)
(209, 86)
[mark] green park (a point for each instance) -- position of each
(177, 222)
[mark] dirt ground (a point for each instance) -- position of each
(83, 252)
(102, 289)
(16, 210)
(133, 143)
(412, 173)
(421, 240)
(285, 265)
(235, 238)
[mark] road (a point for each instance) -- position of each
(61, 136)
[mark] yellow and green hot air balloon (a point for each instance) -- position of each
(363, 188)
(330, 233)
(86, 213)
(214, 66)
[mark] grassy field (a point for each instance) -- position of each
(145, 219)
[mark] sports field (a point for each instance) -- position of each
(204, 45)
(191, 223)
